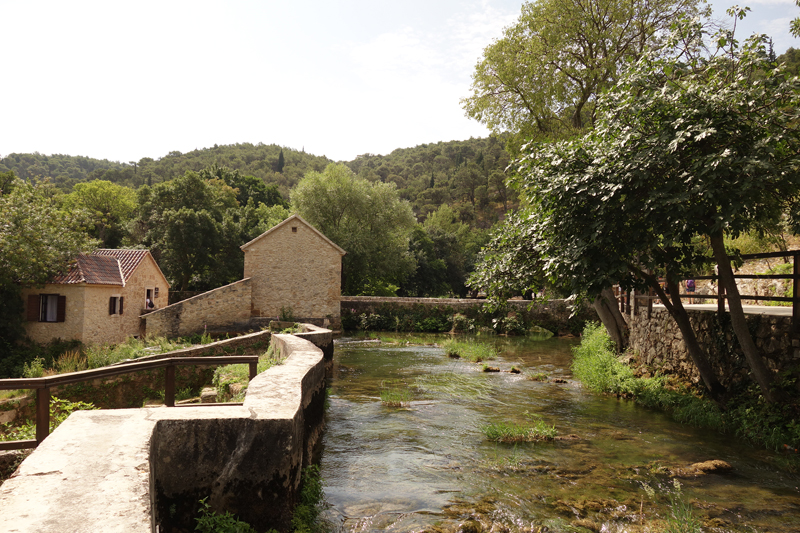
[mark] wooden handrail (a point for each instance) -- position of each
(44, 384)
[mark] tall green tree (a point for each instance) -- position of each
(544, 74)
(186, 224)
(110, 208)
(38, 239)
(685, 146)
(367, 219)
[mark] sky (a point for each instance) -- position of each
(123, 80)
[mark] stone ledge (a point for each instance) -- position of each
(113, 470)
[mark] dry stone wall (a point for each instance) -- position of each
(658, 344)
(223, 309)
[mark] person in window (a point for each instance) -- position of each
(149, 304)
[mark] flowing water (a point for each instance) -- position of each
(429, 467)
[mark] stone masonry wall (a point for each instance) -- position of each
(553, 315)
(222, 309)
(657, 343)
(296, 272)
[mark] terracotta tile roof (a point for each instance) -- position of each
(93, 269)
(103, 267)
(128, 259)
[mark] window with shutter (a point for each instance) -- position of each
(33, 308)
(61, 312)
(52, 308)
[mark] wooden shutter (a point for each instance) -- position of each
(33, 308)
(112, 304)
(121, 299)
(61, 310)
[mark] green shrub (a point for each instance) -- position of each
(211, 522)
(59, 411)
(596, 364)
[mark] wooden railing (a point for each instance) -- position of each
(625, 299)
(44, 384)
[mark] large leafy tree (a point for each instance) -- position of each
(543, 75)
(186, 222)
(38, 239)
(110, 207)
(367, 219)
(685, 146)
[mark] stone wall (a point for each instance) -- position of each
(223, 309)
(295, 270)
(135, 470)
(658, 344)
(553, 315)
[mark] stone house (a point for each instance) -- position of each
(99, 300)
(296, 272)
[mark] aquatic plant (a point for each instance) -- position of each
(306, 512)
(475, 352)
(455, 385)
(511, 432)
(395, 394)
(536, 376)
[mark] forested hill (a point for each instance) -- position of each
(470, 174)
(259, 160)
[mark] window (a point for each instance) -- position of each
(47, 308)
(294, 229)
(115, 305)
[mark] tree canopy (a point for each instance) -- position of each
(686, 145)
(367, 219)
(542, 76)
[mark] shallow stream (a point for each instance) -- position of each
(429, 467)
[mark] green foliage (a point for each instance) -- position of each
(306, 512)
(595, 363)
(509, 432)
(110, 208)
(368, 220)
(286, 314)
(395, 393)
(225, 376)
(59, 411)
(682, 518)
(542, 78)
(472, 351)
(211, 522)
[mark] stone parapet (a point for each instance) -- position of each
(135, 470)
(223, 309)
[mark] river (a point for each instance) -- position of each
(427, 466)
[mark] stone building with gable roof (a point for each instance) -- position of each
(295, 271)
(99, 300)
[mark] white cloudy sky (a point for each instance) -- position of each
(125, 80)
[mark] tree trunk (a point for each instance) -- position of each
(608, 311)
(698, 356)
(761, 373)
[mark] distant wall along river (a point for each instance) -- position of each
(428, 466)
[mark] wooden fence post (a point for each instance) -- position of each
(795, 296)
(42, 414)
(253, 370)
(169, 386)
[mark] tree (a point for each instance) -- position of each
(687, 145)
(110, 208)
(795, 24)
(247, 187)
(542, 76)
(184, 223)
(367, 219)
(38, 240)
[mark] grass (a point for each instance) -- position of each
(475, 352)
(509, 432)
(395, 394)
(774, 426)
(536, 376)
(228, 375)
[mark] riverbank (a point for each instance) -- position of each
(746, 414)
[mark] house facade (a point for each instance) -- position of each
(295, 271)
(99, 300)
